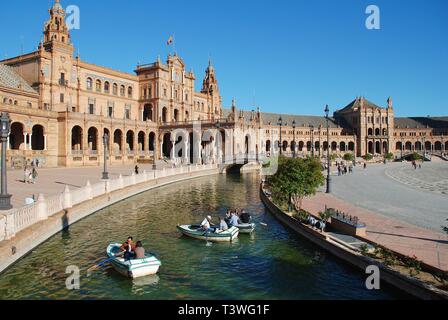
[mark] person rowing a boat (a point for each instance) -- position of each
(128, 249)
(206, 225)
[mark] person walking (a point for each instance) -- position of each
(26, 174)
(34, 175)
(136, 169)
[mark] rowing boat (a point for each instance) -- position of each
(196, 232)
(133, 268)
(246, 227)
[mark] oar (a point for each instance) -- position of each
(94, 267)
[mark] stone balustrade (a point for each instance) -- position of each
(16, 220)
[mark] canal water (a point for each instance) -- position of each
(273, 263)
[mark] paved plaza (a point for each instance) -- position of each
(53, 181)
(398, 191)
(404, 209)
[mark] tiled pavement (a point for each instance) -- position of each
(428, 246)
(53, 181)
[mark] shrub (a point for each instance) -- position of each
(389, 156)
(368, 157)
(301, 215)
(348, 157)
(414, 265)
(364, 248)
(415, 156)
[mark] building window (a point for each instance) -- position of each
(89, 83)
(150, 92)
(91, 108)
(164, 92)
(106, 87)
(98, 86)
(110, 109)
(62, 79)
(61, 98)
(122, 91)
(129, 92)
(127, 112)
(115, 89)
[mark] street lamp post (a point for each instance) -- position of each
(106, 143)
(280, 144)
(423, 148)
(5, 198)
(294, 139)
(312, 140)
(327, 110)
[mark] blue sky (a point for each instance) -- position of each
(286, 56)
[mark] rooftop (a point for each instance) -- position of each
(9, 78)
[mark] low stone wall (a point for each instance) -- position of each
(89, 200)
(348, 254)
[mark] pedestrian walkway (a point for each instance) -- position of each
(428, 246)
(53, 180)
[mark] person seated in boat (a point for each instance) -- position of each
(128, 249)
(228, 217)
(139, 250)
(245, 217)
(223, 225)
(207, 225)
(235, 220)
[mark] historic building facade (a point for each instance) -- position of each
(61, 108)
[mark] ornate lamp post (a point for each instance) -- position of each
(294, 139)
(106, 144)
(423, 148)
(280, 143)
(312, 140)
(327, 110)
(5, 128)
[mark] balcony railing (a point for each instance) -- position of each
(77, 153)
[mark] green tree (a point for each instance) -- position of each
(348, 157)
(295, 179)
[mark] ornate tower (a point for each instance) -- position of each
(210, 88)
(56, 33)
(210, 84)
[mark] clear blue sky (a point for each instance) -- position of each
(289, 56)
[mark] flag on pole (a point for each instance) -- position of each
(170, 41)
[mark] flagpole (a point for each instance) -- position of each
(174, 43)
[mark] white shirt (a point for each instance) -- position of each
(234, 220)
(205, 224)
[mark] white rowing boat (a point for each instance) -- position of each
(133, 268)
(196, 232)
